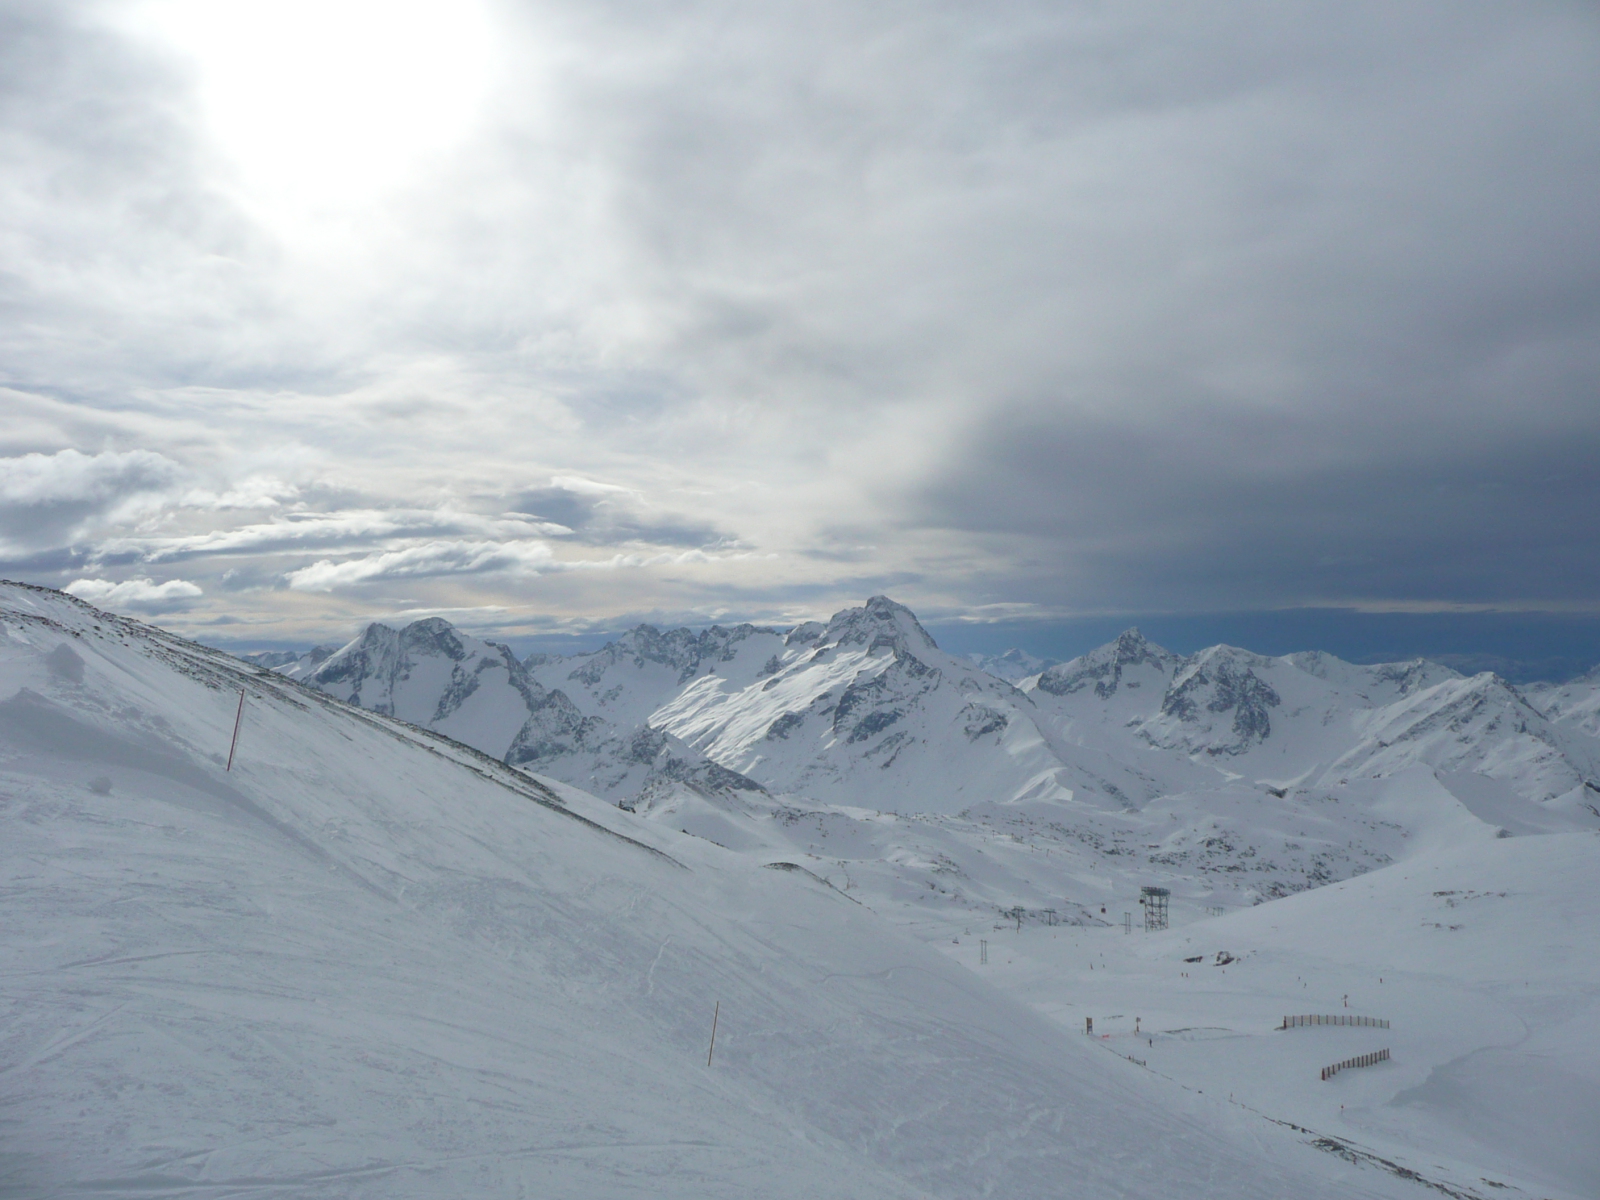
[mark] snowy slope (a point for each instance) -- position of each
(1573, 706)
(369, 961)
(1483, 957)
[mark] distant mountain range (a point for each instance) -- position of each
(350, 936)
(858, 741)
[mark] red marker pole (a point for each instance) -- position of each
(234, 745)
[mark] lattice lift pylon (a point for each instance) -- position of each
(1154, 902)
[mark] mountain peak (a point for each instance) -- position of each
(1132, 646)
(434, 634)
(1102, 668)
(880, 622)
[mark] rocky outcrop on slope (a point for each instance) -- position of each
(1220, 683)
(880, 624)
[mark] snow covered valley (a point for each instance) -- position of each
(371, 960)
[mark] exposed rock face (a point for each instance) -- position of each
(805, 633)
(870, 705)
(982, 720)
(554, 729)
(1221, 681)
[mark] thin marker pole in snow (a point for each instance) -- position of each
(237, 717)
(715, 1012)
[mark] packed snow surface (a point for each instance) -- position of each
(371, 960)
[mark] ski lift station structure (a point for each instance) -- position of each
(1154, 902)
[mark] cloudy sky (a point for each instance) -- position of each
(550, 315)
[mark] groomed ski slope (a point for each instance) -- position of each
(370, 962)
(1484, 956)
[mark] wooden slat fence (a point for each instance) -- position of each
(1334, 1019)
(1360, 1060)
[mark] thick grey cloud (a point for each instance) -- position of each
(1222, 514)
(721, 310)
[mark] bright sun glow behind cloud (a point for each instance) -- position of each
(324, 105)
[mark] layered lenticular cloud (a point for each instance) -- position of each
(297, 531)
(139, 595)
(426, 560)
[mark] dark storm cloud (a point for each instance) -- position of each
(1308, 298)
(1266, 511)
(1365, 362)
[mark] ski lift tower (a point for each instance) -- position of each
(1154, 902)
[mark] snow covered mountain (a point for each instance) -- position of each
(1012, 665)
(432, 675)
(912, 777)
(1307, 721)
(1574, 705)
(371, 961)
(866, 710)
